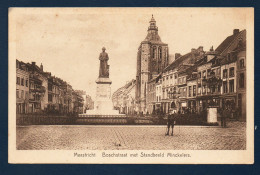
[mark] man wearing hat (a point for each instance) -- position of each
(170, 121)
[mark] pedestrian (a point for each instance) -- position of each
(224, 116)
(170, 122)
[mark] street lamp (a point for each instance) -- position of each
(174, 95)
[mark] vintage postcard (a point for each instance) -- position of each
(131, 85)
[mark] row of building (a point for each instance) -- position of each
(40, 92)
(191, 82)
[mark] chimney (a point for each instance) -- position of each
(41, 67)
(193, 50)
(33, 63)
(177, 55)
(201, 48)
(235, 31)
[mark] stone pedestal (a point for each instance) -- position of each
(103, 104)
(212, 115)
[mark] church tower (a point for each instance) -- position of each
(152, 58)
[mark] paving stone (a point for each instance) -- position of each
(69, 137)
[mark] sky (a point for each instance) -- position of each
(67, 41)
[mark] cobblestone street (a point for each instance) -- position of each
(72, 137)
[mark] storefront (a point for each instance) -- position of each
(231, 102)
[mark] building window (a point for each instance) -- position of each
(171, 76)
(219, 87)
(154, 52)
(189, 91)
(194, 90)
(49, 98)
(231, 85)
(242, 63)
(225, 88)
(199, 74)
(213, 89)
(22, 82)
(225, 73)
(204, 74)
(208, 72)
(160, 53)
(204, 89)
(218, 71)
(241, 80)
(26, 95)
(199, 90)
(26, 83)
(175, 76)
(17, 93)
(180, 81)
(18, 80)
(231, 72)
(228, 57)
(22, 93)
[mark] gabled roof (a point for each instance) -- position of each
(226, 43)
(177, 62)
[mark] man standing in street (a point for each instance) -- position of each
(225, 114)
(170, 122)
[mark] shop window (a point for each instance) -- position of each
(225, 73)
(231, 72)
(231, 85)
(241, 80)
(225, 88)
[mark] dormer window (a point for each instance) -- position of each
(228, 57)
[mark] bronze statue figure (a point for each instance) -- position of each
(104, 67)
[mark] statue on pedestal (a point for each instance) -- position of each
(104, 67)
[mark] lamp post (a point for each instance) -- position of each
(174, 95)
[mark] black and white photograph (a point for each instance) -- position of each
(131, 85)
